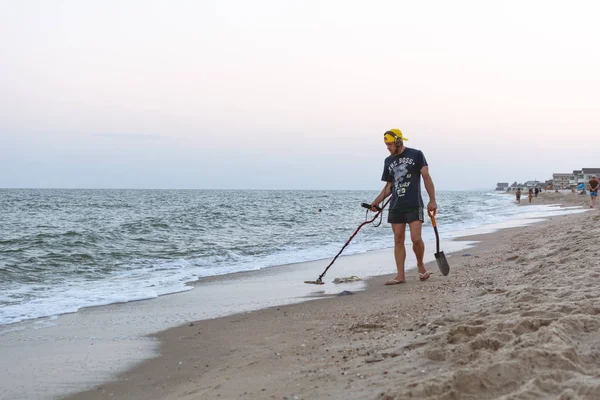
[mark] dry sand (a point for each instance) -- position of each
(517, 318)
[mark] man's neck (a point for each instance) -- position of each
(400, 150)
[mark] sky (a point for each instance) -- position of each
(271, 94)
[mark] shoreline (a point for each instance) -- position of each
(135, 324)
(285, 344)
(449, 236)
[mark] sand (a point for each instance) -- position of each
(517, 318)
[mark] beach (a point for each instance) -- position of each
(517, 318)
(196, 196)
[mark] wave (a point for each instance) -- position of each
(149, 243)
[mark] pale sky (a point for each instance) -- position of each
(294, 94)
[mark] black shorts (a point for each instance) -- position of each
(405, 216)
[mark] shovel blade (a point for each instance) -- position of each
(442, 263)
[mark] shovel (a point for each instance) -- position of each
(440, 257)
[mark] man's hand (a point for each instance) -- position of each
(374, 206)
(432, 206)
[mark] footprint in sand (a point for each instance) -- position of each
(464, 333)
(529, 325)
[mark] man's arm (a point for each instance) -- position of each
(432, 206)
(385, 192)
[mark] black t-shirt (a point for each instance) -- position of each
(404, 170)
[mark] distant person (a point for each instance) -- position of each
(518, 194)
(536, 191)
(530, 194)
(593, 191)
(402, 172)
(319, 210)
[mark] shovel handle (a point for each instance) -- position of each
(437, 236)
(432, 216)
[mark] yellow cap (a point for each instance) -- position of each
(393, 134)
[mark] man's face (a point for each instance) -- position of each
(392, 148)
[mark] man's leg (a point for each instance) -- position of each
(399, 250)
(417, 244)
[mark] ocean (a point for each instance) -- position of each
(62, 250)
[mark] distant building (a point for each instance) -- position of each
(561, 180)
(516, 185)
(531, 184)
(502, 186)
(589, 172)
(576, 178)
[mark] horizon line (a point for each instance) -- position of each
(228, 189)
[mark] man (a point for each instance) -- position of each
(593, 191)
(402, 172)
(518, 195)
